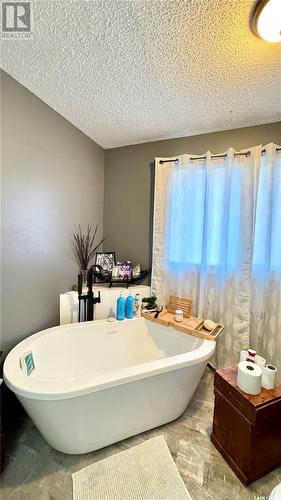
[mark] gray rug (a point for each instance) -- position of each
(145, 472)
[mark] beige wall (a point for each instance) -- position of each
(129, 181)
(52, 179)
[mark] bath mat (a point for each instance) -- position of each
(145, 472)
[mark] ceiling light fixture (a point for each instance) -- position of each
(266, 20)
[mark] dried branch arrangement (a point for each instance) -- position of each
(84, 246)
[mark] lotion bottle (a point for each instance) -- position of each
(251, 355)
(121, 305)
(138, 305)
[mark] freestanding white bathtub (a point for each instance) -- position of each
(97, 383)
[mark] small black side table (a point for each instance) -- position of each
(2, 427)
(11, 416)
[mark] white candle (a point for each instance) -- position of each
(178, 315)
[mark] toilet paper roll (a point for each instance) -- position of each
(269, 377)
(276, 493)
(243, 355)
(249, 377)
(260, 361)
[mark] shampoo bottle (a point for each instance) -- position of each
(130, 303)
(121, 305)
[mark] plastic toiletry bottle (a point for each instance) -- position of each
(251, 355)
(130, 303)
(138, 305)
(121, 306)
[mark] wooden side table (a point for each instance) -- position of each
(246, 429)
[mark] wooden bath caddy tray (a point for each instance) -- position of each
(190, 324)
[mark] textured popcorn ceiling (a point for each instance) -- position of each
(133, 71)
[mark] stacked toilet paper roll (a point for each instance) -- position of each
(269, 377)
(260, 361)
(243, 355)
(249, 377)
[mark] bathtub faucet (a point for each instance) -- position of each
(89, 300)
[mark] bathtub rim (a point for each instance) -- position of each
(27, 387)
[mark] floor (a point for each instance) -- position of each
(37, 472)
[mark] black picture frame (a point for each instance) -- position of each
(107, 260)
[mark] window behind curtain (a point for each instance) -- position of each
(267, 240)
(205, 216)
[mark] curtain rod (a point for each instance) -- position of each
(247, 154)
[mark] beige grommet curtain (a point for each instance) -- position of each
(217, 239)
